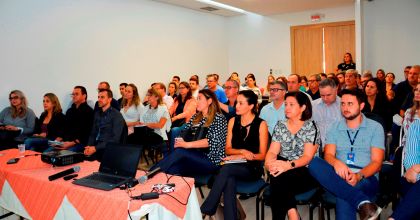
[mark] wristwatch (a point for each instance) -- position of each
(361, 176)
(292, 164)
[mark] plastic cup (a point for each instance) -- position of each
(21, 149)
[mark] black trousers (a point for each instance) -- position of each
(225, 183)
(286, 186)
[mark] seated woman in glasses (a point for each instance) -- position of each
(246, 140)
(16, 121)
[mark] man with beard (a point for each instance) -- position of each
(354, 151)
(108, 126)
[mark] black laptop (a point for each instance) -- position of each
(118, 166)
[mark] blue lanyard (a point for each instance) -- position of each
(354, 139)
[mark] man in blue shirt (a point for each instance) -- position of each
(274, 111)
(213, 85)
(326, 110)
(354, 151)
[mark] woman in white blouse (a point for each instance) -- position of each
(131, 108)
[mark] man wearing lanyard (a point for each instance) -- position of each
(354, 151)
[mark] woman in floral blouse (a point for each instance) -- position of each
(294, 144)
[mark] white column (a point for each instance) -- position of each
(358, 15)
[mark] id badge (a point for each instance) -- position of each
(350, 158)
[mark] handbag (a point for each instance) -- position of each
(194, 133)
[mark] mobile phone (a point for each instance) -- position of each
(13, 161)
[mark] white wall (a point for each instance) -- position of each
(391, 35)
(258, 44)
(51, 46)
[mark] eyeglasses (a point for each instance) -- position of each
(230, 87)
(182, 87)
(13, 97)
(276, 89)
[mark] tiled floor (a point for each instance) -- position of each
(249, 207)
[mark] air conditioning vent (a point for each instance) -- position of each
(209, 9)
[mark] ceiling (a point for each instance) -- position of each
(262, 7)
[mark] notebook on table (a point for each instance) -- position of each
(118, 166)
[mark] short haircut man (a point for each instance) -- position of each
(176, 79)
(108, 126)
(313, 81)
(231, 90)
(212, 84)
(114, 103)
(122, 91)
(274, 111)
(194, 86)
(79, 119)
(326, 110)
(367, 75)
(353, 153)
(293, 82)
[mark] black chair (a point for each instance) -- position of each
(256, 188)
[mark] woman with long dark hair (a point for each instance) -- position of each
(376, 102)
(246, 140)
(201, 149)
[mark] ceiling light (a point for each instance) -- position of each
(220, 5)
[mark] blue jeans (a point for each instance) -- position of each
(186, 162)
(410, 204)
(348, 197)
(38, 144)
(75, 148)
(175, 132)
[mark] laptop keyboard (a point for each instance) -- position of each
(105, 179)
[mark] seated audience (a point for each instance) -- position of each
(326, 110)
(341, 80)
(251, 84)
(323, 76)
(347, 63)
(313, 90)
(231, 91)
(122, 90)
(303, 84)
(293, 84)
(246, 139)
(353, 152)
(409, 207)
(181, 111)
(173, 89)
(166, 99)
(155, 120)
(213, 85)
(108, 126)
(266, 89)
(194, 86)
(274, 111)
(367, 75)
(200, 153)
(79, 119)
(404, 89)
(380, 74)
(389, 84)
(176, 80)
(16, 121)
(51, 125)
(294, 144)
(410, 114)
(350, 79)
(131, 110)
(184, 106)
(114, 103)
(376, 102)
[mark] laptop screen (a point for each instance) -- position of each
(120, 159)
